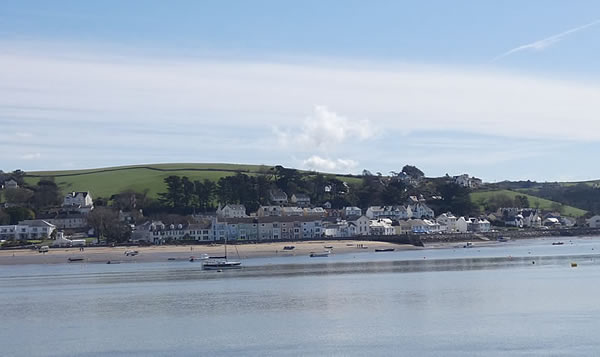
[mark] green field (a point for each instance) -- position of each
(479, 197)
(105, 182)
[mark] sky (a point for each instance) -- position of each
(499, 90)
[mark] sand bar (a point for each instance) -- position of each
(183, 252)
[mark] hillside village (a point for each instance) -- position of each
(43, 213)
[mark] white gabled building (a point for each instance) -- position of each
(381, 227)
(232, 211)
(360, 226)
(447, 222)
(421, 210)
(469, 182)
(78, 199)
(462, 225)
(352, 212)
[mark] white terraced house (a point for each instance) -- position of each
(28, 229)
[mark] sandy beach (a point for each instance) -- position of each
(184, 252)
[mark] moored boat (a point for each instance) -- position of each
(220, 263)
(384, 249)
(558, 243)
(319, 255)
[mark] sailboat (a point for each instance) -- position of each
(219, 263)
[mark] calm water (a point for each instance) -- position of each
(443, 302)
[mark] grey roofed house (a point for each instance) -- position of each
(278, 196)
(35, 223)
(11, 184)
(273, 219)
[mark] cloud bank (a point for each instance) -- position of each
(89, 110)
(318, 163)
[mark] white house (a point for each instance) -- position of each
(79, 200)
(300, 199)
(231, 211)
(28, 229)
(461, 225)
(478, 225)
(432, 226)
(381, 227)
(420, 210)
(360, 226)
(352, 212)
(391, 212)
(447, 222)
(340, 229)
(593, 222)
(465, 181)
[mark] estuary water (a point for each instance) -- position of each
(516, 298)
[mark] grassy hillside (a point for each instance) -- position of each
(105, 182)
(544, 204)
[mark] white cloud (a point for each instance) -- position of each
(328, 165)
(325, 129)
(23, 135)
(546, 42)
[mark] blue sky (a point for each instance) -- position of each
(501, 90)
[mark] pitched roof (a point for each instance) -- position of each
(301, 196)
(236, 207)
(35, 223)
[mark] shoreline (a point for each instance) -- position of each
(165, 253)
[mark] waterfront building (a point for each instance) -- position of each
(28, 229)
